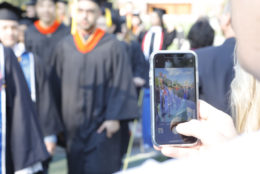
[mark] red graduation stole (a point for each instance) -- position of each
(91, 43)
(161, 42)
(48, 30)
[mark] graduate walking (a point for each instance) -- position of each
(94, 92)
(36, 79)
(155, 39)
(42, 37)
(22, 148)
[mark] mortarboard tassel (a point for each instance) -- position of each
(108, 17)
(129, 21)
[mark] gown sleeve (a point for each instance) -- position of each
(138, 61)
(27, 40)
(169, 36)
(25, 141)
(55, 76)
(122, 99)
(141, 36)
(47, 111)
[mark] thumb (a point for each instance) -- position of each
(101, 128)
(109, 134)
(193, 128)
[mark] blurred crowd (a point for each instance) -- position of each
(74, 74)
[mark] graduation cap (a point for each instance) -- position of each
(159, 11)
(112, 16)
(136, 13)
(102, 3)
(26, 21)
(62, 1)
(44, 0)
(107, 11)
(30, 3)
(9, 12)
(116, 19)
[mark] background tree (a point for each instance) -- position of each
(15, 2)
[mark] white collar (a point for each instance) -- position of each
(19, 49)
(156, 29)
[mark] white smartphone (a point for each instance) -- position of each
(174, 95)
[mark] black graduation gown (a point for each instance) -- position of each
(137, 59)
(46, 109)
(167, 38)
(25, 145)
(215, 65)
(91, 88)
(43, 45)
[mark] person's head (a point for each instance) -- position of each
(110, 20)
(136, 20)
(245, 87)
(245, 96)
(201, 34)
(24, 23)
(126, 34)
(156, 17)
(46, 11)
(225, 21)
(9, 16)
(102, 23)
(245, 22)
(129, 6)
(161, 82)
(61, 10)
(30, 9)
(9, 32)
(88, 12)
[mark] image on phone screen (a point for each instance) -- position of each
(175, 97)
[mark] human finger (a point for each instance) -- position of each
(193, 128)
(157, 147)
(179, 152)
(101, 128)
(109, 134)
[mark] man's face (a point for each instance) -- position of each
(30, 11)
(87, 14)
(61, 8)
(101, 23)
(136, 21)
(155, 19)
(46, 10)
(9, 32)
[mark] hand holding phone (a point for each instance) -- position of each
(206, 129)
(174, 95)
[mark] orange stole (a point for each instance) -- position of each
(48, 30)
(91, 43)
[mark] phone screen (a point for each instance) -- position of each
(174, 96)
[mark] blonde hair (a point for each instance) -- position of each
(245, 100)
